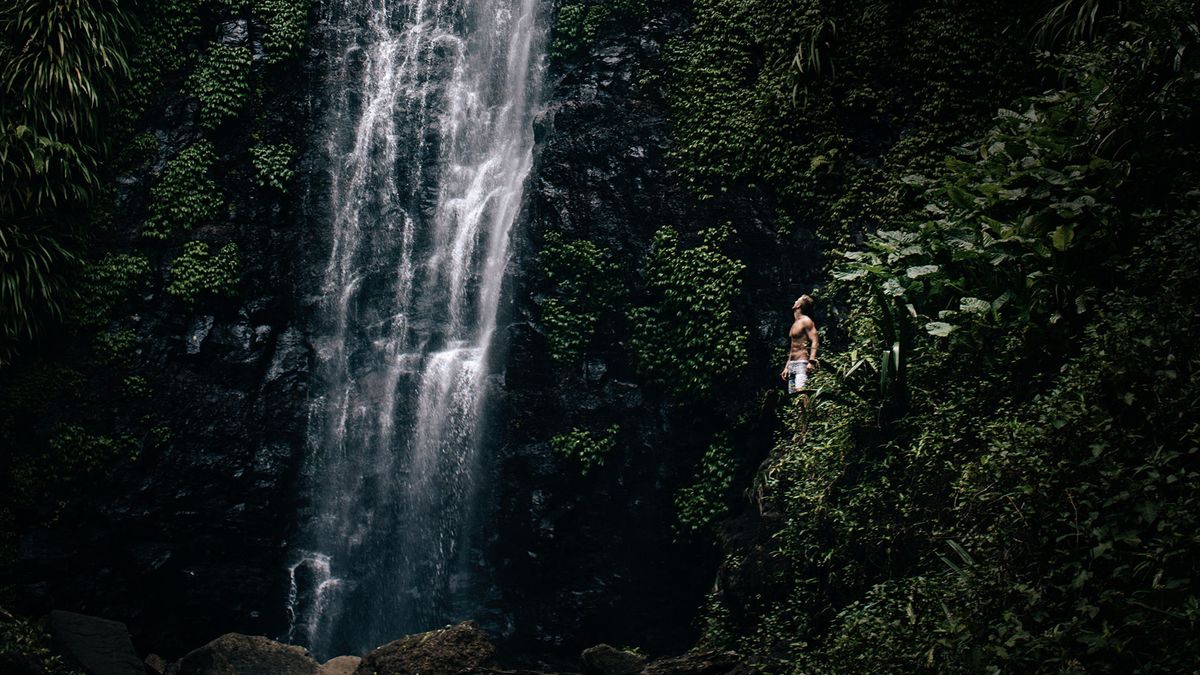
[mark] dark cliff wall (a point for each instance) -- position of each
(156, 433)
(585, 555)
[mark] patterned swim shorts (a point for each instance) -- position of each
(797, 375)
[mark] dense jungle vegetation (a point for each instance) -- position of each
(998, 469)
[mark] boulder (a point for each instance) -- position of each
(155, 664)
(462, 648)
(97, 646)
(235, 654)
(341, 665)
(608, 660)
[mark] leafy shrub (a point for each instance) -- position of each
(27, 637)
(73, 454)
(687, 340)
(165, 27)
(273, 163)
(221, 82)
(61, 69)
(196, 273)
(705, 501)
(585, 447)
(186, 196)
(287, 27)
(584, 291)
(140, 149)
(114, 347)
(106, 283)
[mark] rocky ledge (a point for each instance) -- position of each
(101, 647)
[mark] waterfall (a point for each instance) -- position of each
(427, 134)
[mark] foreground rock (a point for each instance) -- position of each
(608, 660)
(234, 654)
(454, 650)
(462, 648)
(341, 665)
(97, 646)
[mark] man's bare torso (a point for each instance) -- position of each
(798, 334)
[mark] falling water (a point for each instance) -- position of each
(428, 137)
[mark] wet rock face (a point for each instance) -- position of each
(185, 541)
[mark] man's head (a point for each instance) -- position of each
(803, 305)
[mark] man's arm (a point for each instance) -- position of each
(814, 342)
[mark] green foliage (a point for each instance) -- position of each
(585, 291)
(73, 455)
(576, 25)
(197, 274)
(273, 163)
(64, 61)
(186, 196)
(30, 638)
(706, 500)
(106, 283)
(165, 27)
(140, 149)
(28, 388)
(997, 473)
(60, 64)
(585, 447)
(33, 285)
(287, 27)
(221, 82)
(135, 386)
(687, 340)
(817, 99)
(114, 347)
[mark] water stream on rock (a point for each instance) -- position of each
(428, 139)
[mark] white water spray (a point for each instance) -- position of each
(428, 134)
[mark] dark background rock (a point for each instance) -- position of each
(97, 646)
(186, 541)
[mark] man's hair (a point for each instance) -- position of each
(803, 303)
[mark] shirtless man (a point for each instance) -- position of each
(802, 355)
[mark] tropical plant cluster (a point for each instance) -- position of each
(60, 64)
(998, 471)
(686, 340)
(705, 501)
(586, 448)
(583, 297)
